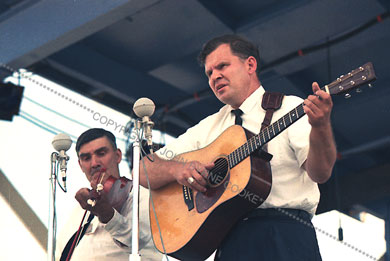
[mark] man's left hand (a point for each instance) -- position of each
(318, 107)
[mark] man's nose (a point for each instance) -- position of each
(215, 76)
(95, 161)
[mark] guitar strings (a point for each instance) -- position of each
(271, 131)
(251, 145)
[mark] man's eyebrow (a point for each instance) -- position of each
(101, 149)
(218, 66)
(83, 155)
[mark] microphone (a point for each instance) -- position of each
(61, 143)
(144, 108)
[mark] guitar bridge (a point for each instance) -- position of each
(188, 197)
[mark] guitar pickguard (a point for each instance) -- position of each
(204, 201)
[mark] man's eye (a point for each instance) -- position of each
(220, 67)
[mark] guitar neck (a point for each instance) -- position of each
(362, 75)
(267, 134)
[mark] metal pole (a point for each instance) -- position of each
(52, 210)
(135, 220)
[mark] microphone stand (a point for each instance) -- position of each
(134, 256)
(52, 214)
(143, 108)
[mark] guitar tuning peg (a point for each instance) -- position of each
(358, 90)
(347, 96)
(370, 85)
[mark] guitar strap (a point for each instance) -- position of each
(271, 102)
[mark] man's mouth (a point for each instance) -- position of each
(220, 86)
(98, 170)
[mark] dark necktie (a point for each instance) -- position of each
(238, 114)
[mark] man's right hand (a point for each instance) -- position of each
(162, 172)
(192, 174)
(102, 208)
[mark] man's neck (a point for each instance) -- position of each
(251, 90)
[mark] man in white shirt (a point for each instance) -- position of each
(108, 236)
(303, 155)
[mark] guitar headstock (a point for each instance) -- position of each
(360, 76)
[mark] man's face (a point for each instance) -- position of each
(99, 154)
(228, 75)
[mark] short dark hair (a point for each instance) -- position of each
(93, 134)
(239, 45)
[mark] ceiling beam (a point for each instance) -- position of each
(106, 74)
(49, 26)
(273, 11)
(343, 192)
(374, 145)
(220, 12)
(98, 85)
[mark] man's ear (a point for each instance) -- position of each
(118, 154)
(252, 64)
(78, 160)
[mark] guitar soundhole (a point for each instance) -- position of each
(218, 174)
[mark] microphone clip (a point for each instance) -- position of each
(148, 126)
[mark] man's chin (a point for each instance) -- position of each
(224, 98)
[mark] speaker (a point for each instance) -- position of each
(10, 98)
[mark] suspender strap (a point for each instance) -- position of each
(66, 250)
(270, 103)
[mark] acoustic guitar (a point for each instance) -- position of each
(193, 224)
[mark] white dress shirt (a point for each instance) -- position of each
(291, 185)
(111, 241)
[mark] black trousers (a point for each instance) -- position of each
(271, 235)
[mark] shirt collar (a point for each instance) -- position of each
(252, 100)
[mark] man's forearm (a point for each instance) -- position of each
(158, 171)
(322, 154)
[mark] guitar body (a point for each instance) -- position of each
(194, 234)
(193, 228)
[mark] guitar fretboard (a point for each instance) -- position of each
(362, 75)
(267, 134)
